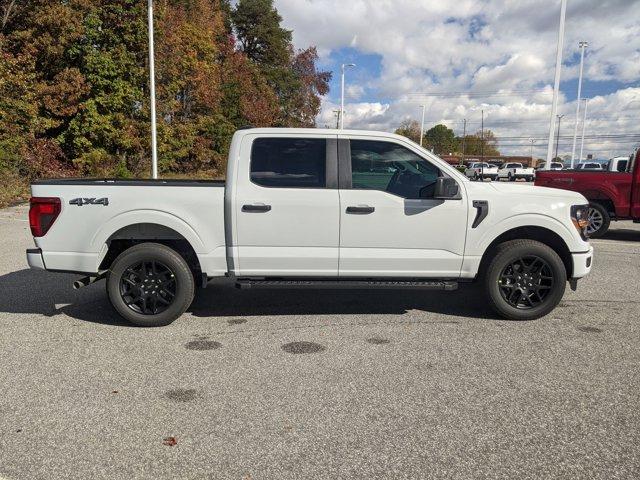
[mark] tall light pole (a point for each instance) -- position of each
(464, 138)
(558, 135)
(582, 45)
(531, 141)
(342, 93)
(424, 107)
(584, 123)
(152, 89)
(556, 83)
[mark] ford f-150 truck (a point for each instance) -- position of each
(514, 171)
(481, 170)
(312, 208)
(612, 195)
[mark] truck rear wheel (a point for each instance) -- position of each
(599, 220)
(150, 285)
(524, 280)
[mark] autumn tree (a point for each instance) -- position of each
(478, 144)
(293, 76)
(410, 129)
(74, 84)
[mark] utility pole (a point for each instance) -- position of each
(558, 136)
(582, 45)
(556, 83)
(464, 137)
(532, 141)
(342, 93)
(424, 107)
(336, 113)
(584, 124)
(152, 89)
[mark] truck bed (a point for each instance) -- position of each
(612, 189)
(94, 212)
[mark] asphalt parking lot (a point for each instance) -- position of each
(319, 384)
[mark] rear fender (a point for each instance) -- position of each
(99, 240)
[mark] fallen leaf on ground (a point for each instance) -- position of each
(169, 441)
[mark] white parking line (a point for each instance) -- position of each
(614, 242)
(7, 217)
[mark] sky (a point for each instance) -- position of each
(464, 57)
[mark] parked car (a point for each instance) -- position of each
(590, 166)
(612, 195)
(481, 170)
(308, 208)
(554, 166)
(618, 164)
(514, 171)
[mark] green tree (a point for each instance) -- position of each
(441, 139)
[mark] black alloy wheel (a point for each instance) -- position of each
(148, 287)
(524, 279)
(526, 282)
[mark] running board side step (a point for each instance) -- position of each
(346, 284)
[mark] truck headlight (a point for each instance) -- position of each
(580, 219)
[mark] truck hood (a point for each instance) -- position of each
(530, 190)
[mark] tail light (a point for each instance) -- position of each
(42, 214)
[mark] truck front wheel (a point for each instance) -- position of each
(150, 285)
(524, 280)
(599, 220)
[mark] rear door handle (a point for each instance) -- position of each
(258, 207)
(361, 209)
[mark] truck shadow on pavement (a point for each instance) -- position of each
(622, 234)
(50, 294)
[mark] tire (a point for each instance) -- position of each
(599, 216)
(167, 273)
(503, 281)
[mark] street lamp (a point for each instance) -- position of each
(558, 136)
(582, 45)
(584, 123)
(424, 107)
(342, 93)
(152, 89)
(556, 83)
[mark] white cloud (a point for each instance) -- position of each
(477, 46)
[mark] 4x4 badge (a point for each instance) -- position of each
(89, 201)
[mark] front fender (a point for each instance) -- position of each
(571, 239)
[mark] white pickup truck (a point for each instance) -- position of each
(312, 208)
(481, 170)
(514, 171)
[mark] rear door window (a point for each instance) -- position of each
(289, 162)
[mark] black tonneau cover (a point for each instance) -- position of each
(148, 182)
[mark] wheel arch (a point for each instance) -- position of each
(138, 233)
(603, 198)
(531, 232)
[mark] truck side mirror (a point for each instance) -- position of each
(446, 189)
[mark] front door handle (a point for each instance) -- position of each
(361, 209)
(258, 207)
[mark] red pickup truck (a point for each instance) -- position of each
(611, 195)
